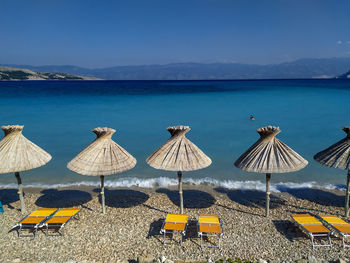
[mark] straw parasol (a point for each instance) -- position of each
(178, 154)
(18, 154)
(270, 155)
(102, 157)
(338, 156)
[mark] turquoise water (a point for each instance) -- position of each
(59, 117)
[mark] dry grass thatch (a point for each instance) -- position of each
(338, 154)
(178, 153)
(270, 155)
(102, 157)
(17, 153)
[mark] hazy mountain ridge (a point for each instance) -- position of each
(302, 68)
(10, 73)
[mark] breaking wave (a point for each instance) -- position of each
(166, 181)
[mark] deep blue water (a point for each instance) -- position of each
(59, 117)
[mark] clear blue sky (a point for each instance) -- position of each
(102, 33)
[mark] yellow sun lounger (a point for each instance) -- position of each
(313, 228)
(59, 220)
(209, 225)
(340, 226)
(174, 223)
(33, 220)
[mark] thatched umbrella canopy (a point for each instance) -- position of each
(270, 155)
(18, 154)
(102, 157)
(178, 154)
(338, 156)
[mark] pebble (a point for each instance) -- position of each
(130, 228)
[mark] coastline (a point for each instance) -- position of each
(130, 228)
(165, 182)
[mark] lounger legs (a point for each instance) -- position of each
(320, 245)
(202, 245)
(21, 235)
(164, 238)
(59, 234)
(330, 241)
(344, 244)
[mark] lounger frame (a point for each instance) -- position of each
(336, 231)
(59, 226)
(27, 226)
(312, 235)
(203, 234)
(344, 236)
(35, 227)
(165, 232)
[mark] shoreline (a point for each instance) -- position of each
(204, 187)
(163, 181)
(130, 227)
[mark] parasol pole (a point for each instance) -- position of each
(179, 175)
(268, 177)
(103, 194)
(20, 192)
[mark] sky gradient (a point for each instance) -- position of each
(112, 33)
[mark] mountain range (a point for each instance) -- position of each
(298, 69)
(10, 73)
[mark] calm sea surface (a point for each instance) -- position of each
(59, 117)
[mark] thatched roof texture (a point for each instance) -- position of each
(17, 153)
(178, 153)
(337, 155)
(102, 157)
(270, 155)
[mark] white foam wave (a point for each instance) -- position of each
(166, 181)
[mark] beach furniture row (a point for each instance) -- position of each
(322, 226)
(207, 225)
(53, 218)
(46, 218)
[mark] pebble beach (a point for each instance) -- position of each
(129, 231)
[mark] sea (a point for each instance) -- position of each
(58, 116)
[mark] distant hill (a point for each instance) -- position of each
(345, 76)
(302, 68)
(9, 73)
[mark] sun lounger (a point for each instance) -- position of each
(313, 228)
(33, 220)
(340, 226)
(174, 223)
(1, 208)
(209, 225)
(59, 220)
